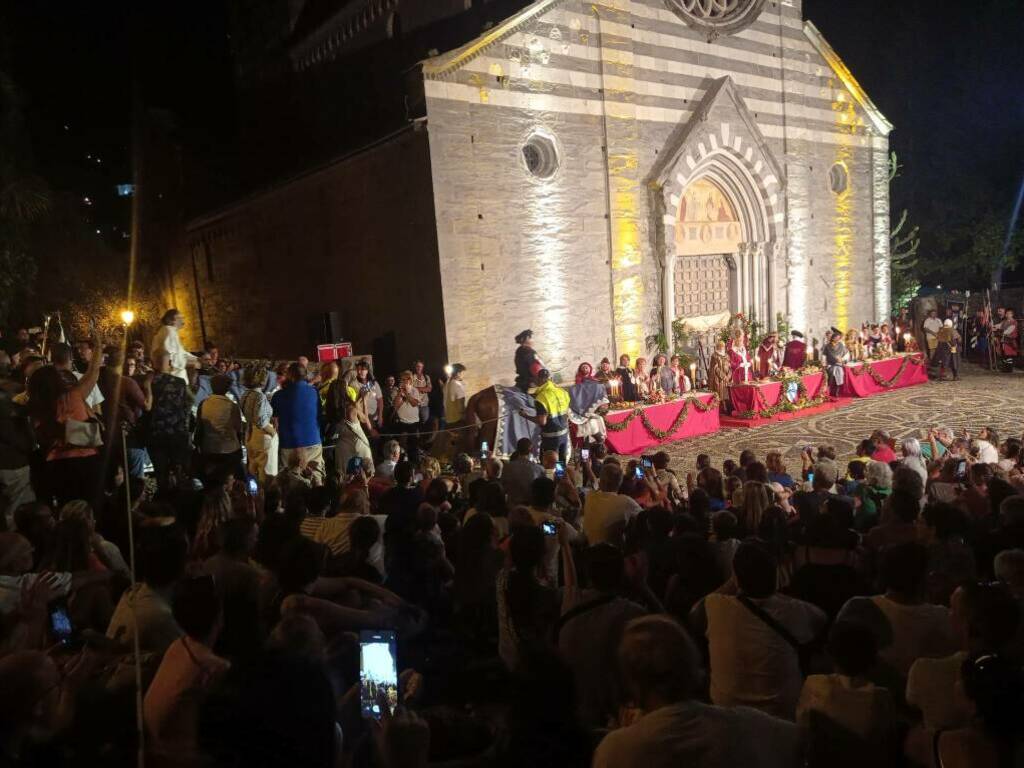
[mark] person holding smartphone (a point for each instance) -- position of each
(407, 414)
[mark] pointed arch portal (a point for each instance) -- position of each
(720, 193)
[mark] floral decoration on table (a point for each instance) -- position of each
(785, 405)
(881, 381)
(680, 419)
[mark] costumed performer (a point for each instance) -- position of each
(528, 364)
(769, 356)
(720, 373)
(796, 352)
(740, 360)
(836, 357)
(627, 379)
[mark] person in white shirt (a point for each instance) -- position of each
(606, 511)
(659, 666)
(986, 443)
(392, 455)
(455, 396)
(906, 627)
(932, 325)
(166, 338)
(753, 636)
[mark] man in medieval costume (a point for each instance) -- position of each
(552, 409)
(742, 367)
(1009, 340)
(769, 356)
(527, 362)
(836, 357)
(947, 353)
(627, 377)
(720, 373)
(796, 352)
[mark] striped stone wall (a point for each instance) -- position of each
(575, 256)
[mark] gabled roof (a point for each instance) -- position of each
(447, 63)
(878, 120)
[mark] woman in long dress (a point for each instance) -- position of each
(261, 440)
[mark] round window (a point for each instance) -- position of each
(540, 155)
(717, 17)
(838, 178)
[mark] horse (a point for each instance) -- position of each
(481, 421)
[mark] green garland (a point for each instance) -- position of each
(803, 400)
(877, 377)
(664, 434)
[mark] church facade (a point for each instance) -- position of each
(602, 171)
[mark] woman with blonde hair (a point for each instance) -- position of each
(757, 497)
(261, 440)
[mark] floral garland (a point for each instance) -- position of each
(680, 419)
(803, 400)
(888, 384)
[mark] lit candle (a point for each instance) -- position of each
(693, 375)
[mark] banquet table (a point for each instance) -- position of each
(636, 435)
(745, 396)
(893, 373)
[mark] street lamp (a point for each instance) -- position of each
(127, 317)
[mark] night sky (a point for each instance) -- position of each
(947, 74)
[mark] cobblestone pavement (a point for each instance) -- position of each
(981, 397)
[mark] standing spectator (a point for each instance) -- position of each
(931, 327)
(606, 512)
(261, 442)
(70, 446)
(408, 404)
(352, 442)
(16, 443)
(369, 397)
(219, 430)
(518, 475)
(756, 636)
(167, 339)
(296, 406)
(455, 396)
(659, 667)
(421, 381)
(167, 436)
(125, 402)
(60, 356)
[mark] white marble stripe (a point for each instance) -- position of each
(663, 14)
(543, 102)
(678, 42)
(573, 78)
(824, 90)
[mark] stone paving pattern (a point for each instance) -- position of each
(980, 398)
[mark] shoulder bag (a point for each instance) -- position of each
(803, 652)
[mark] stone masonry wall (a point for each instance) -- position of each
(357, 237)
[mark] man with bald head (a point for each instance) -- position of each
(659, 666)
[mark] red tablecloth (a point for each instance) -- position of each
(636, 437)
(859, 382)
(744, 396)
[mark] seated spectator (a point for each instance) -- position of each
(808, 503)
(490, 500)
(950, 560)
(364, 558)
(900, 512)
(755, 637)
(1009, 569)
(985, 620)
(146, 607)
(883, 447)
(106, 552)
(238, 584)
(35, 521)
(392, 455)
(724, 530)
(589, 629)
(826, 576)
(912, 458)
(872, 493)
(605, 511)
(905, 627)
(777, 470)
(188, 670)
(994, 687)
(847, 699)
(659, 667)
(974, 498)
(710, 481)
(667, 478)
(527, 607)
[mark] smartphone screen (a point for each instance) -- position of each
(810, 477)
(60, 623)
(646, 462)
(253, 487)
(378, 671)
(483, 450)
(961, 468)
(639, 472)
(559, 470)
(549, 527)
(585, 453)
